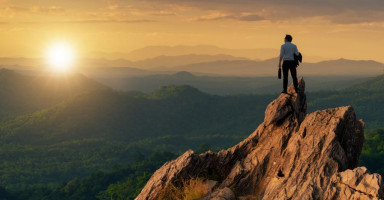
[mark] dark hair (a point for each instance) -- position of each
(288, 38)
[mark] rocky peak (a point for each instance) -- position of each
(291, 155)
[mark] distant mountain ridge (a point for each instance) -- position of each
(173, 61)
(155, 51)
(340, 67)
(344, 67)
(226, 65)
(215, 65)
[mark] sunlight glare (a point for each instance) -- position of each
(60, 56)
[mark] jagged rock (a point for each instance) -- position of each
(357, 184)
(211, 184)
(170, 172)
(221, 194)
(290, 155)
(287, 104)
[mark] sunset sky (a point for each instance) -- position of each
(352, 29)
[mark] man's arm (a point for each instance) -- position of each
(281, 56)
(296, 51)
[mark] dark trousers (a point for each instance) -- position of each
(289, 66)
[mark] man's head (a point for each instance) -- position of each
(288, 38)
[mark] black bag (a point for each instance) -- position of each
(279, 73)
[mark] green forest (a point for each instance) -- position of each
(87, 141)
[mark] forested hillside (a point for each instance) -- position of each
(56, 149)
(22, 94)
(367, 98)
(222, 85)
(99, 129)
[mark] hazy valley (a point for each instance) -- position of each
(90, 127)
(210, 69)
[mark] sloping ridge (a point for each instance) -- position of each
(291, 155)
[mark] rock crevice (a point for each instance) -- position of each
(291, 155)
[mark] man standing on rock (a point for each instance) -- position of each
(287, 54)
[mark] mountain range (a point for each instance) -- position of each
(340, 67)
(96, 127)
(155, 51)
(214, 74)
(213, 65)
(200, 60)
(225, 85)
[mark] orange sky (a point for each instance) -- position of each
(352, 29)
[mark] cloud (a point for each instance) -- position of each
(357, 17)
(33, 10)
(121, 10)
(277, 10)
(47, 10)
(252, 4)
(225, 16)
(252, 17)
(335, 11)
(15, 9)
(91, 21)
(164, 13)
(212, 17)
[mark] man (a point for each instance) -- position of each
(287, 54)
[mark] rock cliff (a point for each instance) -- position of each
(291, 155)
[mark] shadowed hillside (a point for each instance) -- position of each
(99, 129)
(367, 98)
(103, 127)
(23, 94)
(227, 85)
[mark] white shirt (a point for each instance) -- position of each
(287, 51)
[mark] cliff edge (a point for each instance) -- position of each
(291, 155)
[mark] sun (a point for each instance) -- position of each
(60, 56)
